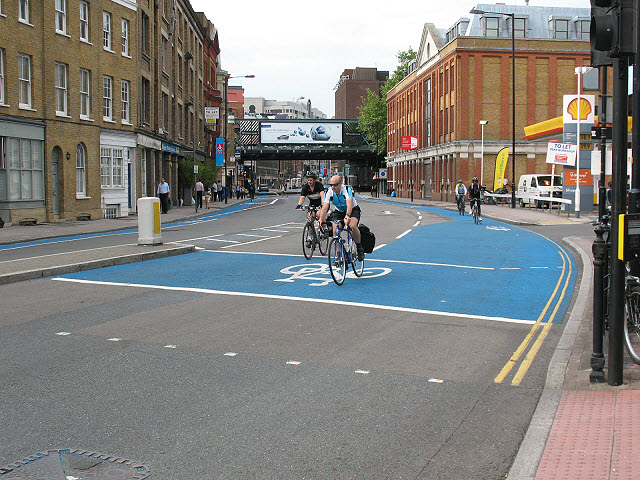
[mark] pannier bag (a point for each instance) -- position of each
(367, 238)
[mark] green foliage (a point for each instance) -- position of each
(207, 172)
(372, 121)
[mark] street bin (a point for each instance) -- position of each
(149, 221)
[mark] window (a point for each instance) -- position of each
(107, 98)
(85, 98)
(492, 26)
(84, 20)
(145, 32)
(111, 161)
(561, 29)
(519, 26)
(2, 100)
(164, 54)
(179, 121)
(125, 37)
(146, 100)
(452, 78)
(125, 101)
(23, 164)
(23, 9)
(583, 27)
(81, 175)
(61, 88)
(61, 16)
(165, 111)
(24, 77)
(106, 31)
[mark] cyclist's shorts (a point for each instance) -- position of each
(355, 213)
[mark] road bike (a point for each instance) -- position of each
(312, 235)
(342, 253)
(460, 201)
(632, 317)
(474, 211)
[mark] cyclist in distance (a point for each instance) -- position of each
(347, 209)
(475, 193)
(461, 192)
(314, 191)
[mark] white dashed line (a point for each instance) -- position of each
(170, 346)
(363, 372)
(63, 334)
(293, 362)
(403, 234)
(252, 241)
(230, 354)
(417, 223)
(114, 339)
(435, 380)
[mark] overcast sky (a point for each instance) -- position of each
(299, 48)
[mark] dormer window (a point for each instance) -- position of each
(492, 27)
(560, 29)
(583, 26)
(519, 26)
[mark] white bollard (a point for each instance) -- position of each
(149, 221)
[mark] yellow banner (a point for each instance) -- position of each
(501, 167)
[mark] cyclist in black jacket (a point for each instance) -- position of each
(475, 193)
(314, 191)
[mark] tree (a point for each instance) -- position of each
(372, 121)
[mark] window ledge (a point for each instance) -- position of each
(3, 15)
(127, 56)
(127, 123)
(4, 105)
(87, 119)
(82, 197)
(83, 40)
(26, 107)
(108, 120)
(108, 50)
(63, 115)
(24, 22)
(64, 34)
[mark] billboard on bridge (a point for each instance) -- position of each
(301, 133)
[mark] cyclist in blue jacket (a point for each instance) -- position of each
(347, 209)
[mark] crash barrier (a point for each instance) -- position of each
(537, 201)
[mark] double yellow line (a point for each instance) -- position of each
(535, 348)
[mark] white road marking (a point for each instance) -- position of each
(170, 346)
(62, 253)
(416, 224)
(250, 235)
(301, 299)
(380, 246)
(402, 234)
(63, 334)
(222, 240)
(252, 241)
(430, 264)
(272, 230)
(273, 201)
(435, 380)
(363, 372)
(293, 362)
(543, 268)
(230, 354)
(114, 339)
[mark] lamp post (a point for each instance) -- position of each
(482, 124)
(513, 97)
(579, 71)
(226, 126)
(193, 126)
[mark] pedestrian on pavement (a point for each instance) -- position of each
(214, 192)
(252, 190)
(163, 193)
(220, 190)
(199, 193)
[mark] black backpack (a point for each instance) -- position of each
(367, 238)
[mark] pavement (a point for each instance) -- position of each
(580, 430)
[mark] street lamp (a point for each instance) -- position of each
(513, 97)
(579, 71)
(482, 124)
(193, 126)
(226, 125)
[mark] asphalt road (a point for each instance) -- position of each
(244, 360)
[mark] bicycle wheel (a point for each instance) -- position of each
(357, 265)
(323, 241)
(475, 214)
(337, 262)
(632, 322)
(307, 241)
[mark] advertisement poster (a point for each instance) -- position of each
(409, 143)
(301, 133)
(562, 153)
(501, 167)
(219, 152)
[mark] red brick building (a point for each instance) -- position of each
(464, 78)
(353, 85)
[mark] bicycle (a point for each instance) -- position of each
(342, 253)
(474, 212)
(312, 235)
(632, 317)
(460, 201)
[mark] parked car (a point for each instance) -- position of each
(263, 188)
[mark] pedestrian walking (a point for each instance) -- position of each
(214, 192)
(220, 190)
(163, 193)
(199, 193)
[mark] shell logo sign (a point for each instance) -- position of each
(587, 109)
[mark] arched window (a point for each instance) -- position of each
(81, 171)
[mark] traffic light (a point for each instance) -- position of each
(612, 32)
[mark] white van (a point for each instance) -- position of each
(538, 185)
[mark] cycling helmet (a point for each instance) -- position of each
(475, 179)
(459, 181)
(311, 175)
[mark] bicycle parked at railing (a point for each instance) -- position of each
(313, 235)
(342, 253)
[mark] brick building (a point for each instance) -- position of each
(465, 77)
(352, 86)
(68, 95)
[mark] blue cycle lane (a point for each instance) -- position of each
(493, 271)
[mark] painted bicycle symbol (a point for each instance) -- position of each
(319, 275)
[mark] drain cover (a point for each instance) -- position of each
(76, 464)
